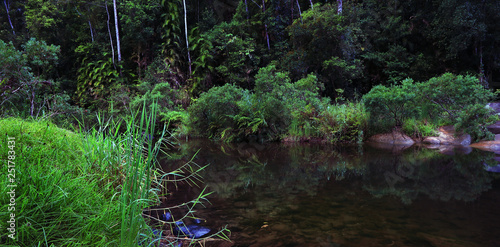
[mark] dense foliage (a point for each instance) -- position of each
(66, 60)
(447, 99)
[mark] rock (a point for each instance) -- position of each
(494, 128)
(491, 146)
(448, 136)
(166, 216)
(191, 231)
(394, 138)
(431, 140)
(492, 168)
(280, 227)
(440, 241)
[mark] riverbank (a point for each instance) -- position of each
(62, 196)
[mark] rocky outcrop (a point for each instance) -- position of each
(395, 138)
(448, 141)
(492, 146)
(448, 136)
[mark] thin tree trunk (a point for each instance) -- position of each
(339, 8)
(265, 25)
(482, 76)
(92, 32)
(300, 13)
(246, 7)
(117, 33)
(90, 24)
(186, 31)
(312, 5)
(110, 37)
(8, 16)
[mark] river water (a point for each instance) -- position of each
(320, 195)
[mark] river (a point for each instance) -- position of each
(319, 195)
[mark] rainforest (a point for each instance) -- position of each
(104, 104)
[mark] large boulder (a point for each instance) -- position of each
(448, 136)
(492, 146)
(395, 138)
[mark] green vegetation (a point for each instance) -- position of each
(227, 70)
(231, 70)
(84, 189)
(420, 107)
(276, 109)
(52, 205)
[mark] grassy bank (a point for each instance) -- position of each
(88, 188)
(61, 198)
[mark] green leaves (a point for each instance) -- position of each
(449, 98)
(393, 103)
(93, 78)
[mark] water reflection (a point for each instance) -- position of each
(318, 195)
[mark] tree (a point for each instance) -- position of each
(22, 72)
(186, 33)
(323, 44)
(117, 32)
(7, 8)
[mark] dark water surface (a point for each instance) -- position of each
(318, 195)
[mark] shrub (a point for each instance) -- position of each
(447, 99)
(158, 90)
(419, 128)
(391, 104)
(212, 113)
(448, 95)
(474, 119)
(344, 123)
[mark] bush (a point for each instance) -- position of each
(278, 108)
(212, 113)
(448, 95)
(419, 128)
(344, 123)
(158, 91)
(447, 99)
(392, 105)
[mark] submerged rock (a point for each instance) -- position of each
(190, 231)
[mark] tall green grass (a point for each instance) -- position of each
(59, 200)
(88, 188)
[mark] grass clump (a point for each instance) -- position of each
(59, 200)
(88, 188)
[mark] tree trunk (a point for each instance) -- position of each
(117, 33)
(92, 32)
(8, 16)
(186, 31)
(265, 25)
(246, 8)
(300, 13)
(90, 24)
(312, 5)
(339, 8)
(110, 37)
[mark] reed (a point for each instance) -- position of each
(90, 187)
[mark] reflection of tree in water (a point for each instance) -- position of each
(442, 177)
(295, 169)
(282, 172)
